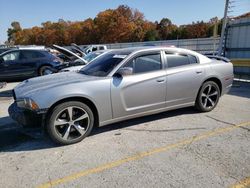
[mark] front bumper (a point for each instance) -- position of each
(26, 118)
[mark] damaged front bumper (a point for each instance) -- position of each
(26, 118)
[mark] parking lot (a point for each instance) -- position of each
(180, 148)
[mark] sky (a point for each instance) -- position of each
(34, 12)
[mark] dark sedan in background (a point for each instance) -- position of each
(21, 64)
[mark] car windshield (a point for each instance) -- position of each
(91, 56)
(103, 65)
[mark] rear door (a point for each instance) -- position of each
(144, 90)
(29, 60)
(184, 74)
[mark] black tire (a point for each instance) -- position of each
(57, 133)
(207, 99)
(42, 70)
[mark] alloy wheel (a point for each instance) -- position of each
(71, 123)
(209, 96)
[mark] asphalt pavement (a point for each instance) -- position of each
(180, 148)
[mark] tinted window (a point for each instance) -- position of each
(94, 49)
(145, 63)
(38, 54)
(30, 55)
(101, 48)
(12, 56)
(103, 65)
(175, 60)
(192, 59)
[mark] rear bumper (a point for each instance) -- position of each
(227, 89)
(24, 117)
(227, 83)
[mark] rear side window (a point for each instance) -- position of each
(145, 63)
(31, 55)
(192, 59)
(176, 60)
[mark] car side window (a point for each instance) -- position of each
(37, 54)
(145, 63)
(176, 60)
(12, 56)
(31, 55)
(192, 59)
(94, 49)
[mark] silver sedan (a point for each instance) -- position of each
(120, 85)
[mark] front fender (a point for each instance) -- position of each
(98, 92)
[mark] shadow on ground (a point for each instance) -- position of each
(240, 89)
(5, 94)
(15, 138)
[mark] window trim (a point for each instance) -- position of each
(7, 61)
(182, 54)
(145, 54)
(34, 52)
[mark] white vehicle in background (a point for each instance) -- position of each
(91, 48)
(88, 58)
(33, 47)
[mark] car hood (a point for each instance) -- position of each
(39, 84)
(68, 53)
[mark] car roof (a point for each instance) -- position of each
(127, 51)
(27, 49)
(148, 48)
(14, 50)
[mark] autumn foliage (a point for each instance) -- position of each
(122, 24)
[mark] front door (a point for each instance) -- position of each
(10, 67)
(144, 90)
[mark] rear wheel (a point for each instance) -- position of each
(70, 122)
(208, 97)
(45, 70)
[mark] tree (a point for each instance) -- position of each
(151, 32)
(12, 31)
(116, 25)
(166, 28)
(122, 24)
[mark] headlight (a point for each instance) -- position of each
(27, 103)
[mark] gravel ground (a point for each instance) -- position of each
(180, 148)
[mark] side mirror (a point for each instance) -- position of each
(125, 71)
(1, 60)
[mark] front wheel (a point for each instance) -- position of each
(70, 122)
(208, 97)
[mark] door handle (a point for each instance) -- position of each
(160, 80)
(198, 71)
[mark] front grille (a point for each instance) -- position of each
(14, 95)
